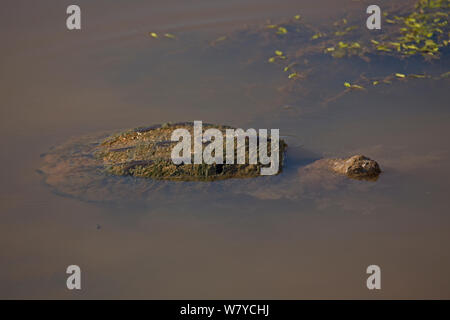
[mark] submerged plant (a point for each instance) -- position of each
(418, 31)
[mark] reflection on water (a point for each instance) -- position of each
(290, 236)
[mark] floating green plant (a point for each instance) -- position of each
(419, 30)
(278, 53)
(353, 86)
(282, 30)
(166, 35)
(169, 35)
(317, 36)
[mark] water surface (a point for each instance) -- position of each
(315, 243)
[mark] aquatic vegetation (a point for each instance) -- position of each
(288, 67)
(170, 36)
(416, 31)
(413, 41)
(344, 49)
(282, 30)
(166, 35)
(421, 32)
(218, 40)
(353, 86)
(318, 35)
(278, 55)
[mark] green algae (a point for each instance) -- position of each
(419, 32)
(146, 153)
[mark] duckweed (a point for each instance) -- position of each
(418, 31)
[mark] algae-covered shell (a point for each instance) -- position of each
(134, 164)
(147, 152)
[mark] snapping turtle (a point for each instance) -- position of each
(147, 152)
(136, 164)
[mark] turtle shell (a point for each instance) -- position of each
(135, 164)
(146, 152)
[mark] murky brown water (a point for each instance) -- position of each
(57, 84)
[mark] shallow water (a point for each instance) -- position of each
(299, 240)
